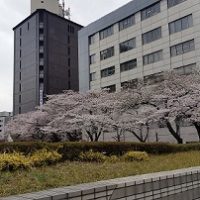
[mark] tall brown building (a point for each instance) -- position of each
(45, 59)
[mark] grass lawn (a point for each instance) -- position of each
(71, 173)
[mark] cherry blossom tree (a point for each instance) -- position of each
(136, 110)
(174, 99)
(88, 113)
(27, 126)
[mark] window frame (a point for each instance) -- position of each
(108, 72)
(127, 45)
(128, 65)
(150, 36)
(105, 54)
(148, 12)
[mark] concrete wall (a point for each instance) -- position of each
(188, 134)
(50, 5)
(181, 184)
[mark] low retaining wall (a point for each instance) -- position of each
(179, 185)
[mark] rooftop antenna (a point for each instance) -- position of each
(66, 12)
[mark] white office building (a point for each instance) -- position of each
(142, 39)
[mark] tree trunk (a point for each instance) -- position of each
(197, 126)
(90, 136)
(174, 133)
(138, 137)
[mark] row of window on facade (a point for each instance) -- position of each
(153, 35)
(154, 57)
(152, 78)
(130, 21)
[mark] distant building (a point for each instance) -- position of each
(142, 39)
(45, 58)
(4, 118)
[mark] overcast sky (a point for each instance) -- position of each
(14, 11)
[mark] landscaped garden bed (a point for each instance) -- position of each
(47, 169)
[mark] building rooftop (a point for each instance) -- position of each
(123, 12)
(47, 12)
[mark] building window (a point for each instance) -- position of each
(41, 17)
(41, 25)
(92, 39)
(69, 73)
(92, 59)
(20, 64)
(108, 72)
(106, 32)
(69, 62)
(93, 76)
(171, 3)
(151, 36)
(154, 78)
(20, 42)
(153, 57)
(128, 65)
(125, 23)
(28, 26)
(41, 31)
(182, 48)
(130, 84)
(150, 11)
(110, 88)
(20, 98)
(69, 39)
(70, 29)
(69, 51)
(20, 53)
(127, 45)
(41, 68)
(187, 69)
(107, 53)
(181, 24)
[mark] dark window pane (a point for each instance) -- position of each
(108, 72)
(107, 53)
(127, 45)
(128, 65)
(150, 11)
(126, 23)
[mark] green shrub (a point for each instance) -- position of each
(72, 150)
(13, 162)
(91, 156)
(44, 157)
(112, 159)
(135, 156)
(28, 147)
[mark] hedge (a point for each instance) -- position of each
(71, 150)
